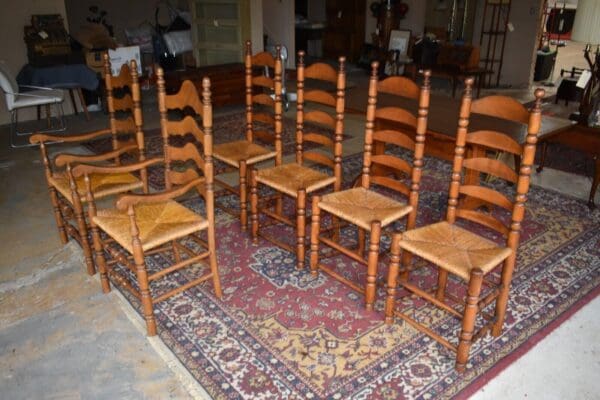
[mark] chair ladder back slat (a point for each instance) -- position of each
(495, 140)
(483, 219)
(501, 107)
(189, 152)
(489, 195)
(390, 183)
(319, 158)
(491, 166)
(263, 82)
(186, 97)
(262, 59)
(121, 103)
(320, 97)
(399, 86)
(319, 139)
(187, 125)
(265, 136)
(263, 99)
(321, 71)
(394, 137)
(393, 162)
(320, 117)
(397, 115)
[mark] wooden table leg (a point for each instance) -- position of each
(83, 105)
(73, 101)
(595, 182)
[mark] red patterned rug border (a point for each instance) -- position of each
(519, 352)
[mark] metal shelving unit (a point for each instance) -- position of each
(493, 38)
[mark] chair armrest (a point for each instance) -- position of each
(38, 138)
(86, 169)
(63, 159)
(127, 200)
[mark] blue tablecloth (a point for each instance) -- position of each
(59, 76)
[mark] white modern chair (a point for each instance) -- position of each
(36, 96)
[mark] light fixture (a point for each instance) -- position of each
(586, 29)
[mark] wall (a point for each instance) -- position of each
(414, 19)
(119, 13)
(278, 23)
(12, 45)
(521, 43)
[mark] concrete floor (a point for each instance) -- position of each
(60, 338)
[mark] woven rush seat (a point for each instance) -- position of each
(103, 185)
(290, 178)
(242, 150)
(361, 207)
(454, 248)
(158, 223)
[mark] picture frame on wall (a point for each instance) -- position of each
(399, 40)
(398, 47)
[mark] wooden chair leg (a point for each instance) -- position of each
(372, 259)
(300, 228)
(254, 205)
(73, 102)
(465, 339)
(212, 247)
(502, 300)
(175, 250)
(315, 227)
(60, 222)
(83, 105)
(540, 167)
(243, 195)
(441, 286)
(595, 183)
(142, 276)
(360, 247)
(100, 260)
(83, 235)
(392, 278)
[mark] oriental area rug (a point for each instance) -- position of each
(281, 333)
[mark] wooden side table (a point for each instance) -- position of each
(584, 139)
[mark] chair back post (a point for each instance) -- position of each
(417, 169)
(207, 121)
(339, 124)
(370, 124)
(299, 106)
(110, 102)
(164, 129)
(459, 151)
(138, 120)
(248, 70)
(533, 128)
(278, 87)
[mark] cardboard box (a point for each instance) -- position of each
(124, 55)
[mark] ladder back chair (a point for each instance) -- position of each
(364, 206)
(260, 107)
(296, 179)
(67, 194)
(470, 257)
(141, 225)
